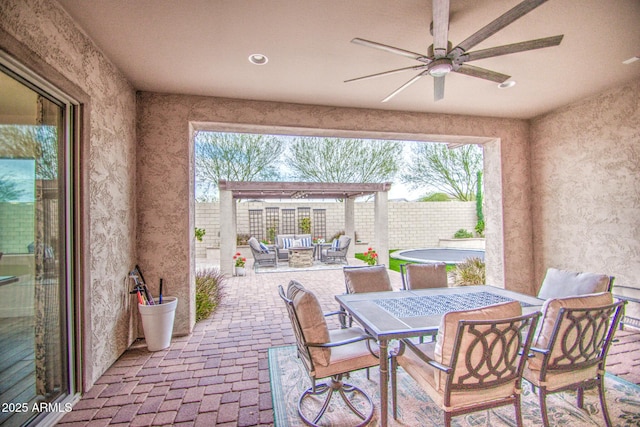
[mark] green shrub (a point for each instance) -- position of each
(209, 284)
(462, 234)
(200, 234)
(470, 272)
(435, 197)
(480, 228)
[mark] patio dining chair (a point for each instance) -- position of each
(476, 362)
(373, 278)
(424, 276)
(570, 347)
(563, 283)
(328, 354)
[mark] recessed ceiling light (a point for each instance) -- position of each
(258, 59)
(506, 85)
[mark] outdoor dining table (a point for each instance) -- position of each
(404, 314)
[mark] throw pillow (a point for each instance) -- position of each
(296, 243)
(264, 248)
(286, 243)
(305, 242)
(336, 244)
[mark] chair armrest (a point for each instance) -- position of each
(339, 343)
(543, 351)
(425, 358)
(333, 313)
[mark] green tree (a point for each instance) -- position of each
(450, 171)
(9, 191)
(32, 142)
(235, 157)
(343, 160)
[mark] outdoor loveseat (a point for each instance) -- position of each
(286, 241)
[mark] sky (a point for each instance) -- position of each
(398, 189)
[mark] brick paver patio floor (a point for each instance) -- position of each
(218, 375)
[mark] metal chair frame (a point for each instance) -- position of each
(336, 384)
(515, 333)
(595, 327)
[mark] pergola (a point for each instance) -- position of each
(230, 191)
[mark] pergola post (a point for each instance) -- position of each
(350, 224)
(381, 227)
(228, 231)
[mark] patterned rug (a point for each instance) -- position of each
(289, 379)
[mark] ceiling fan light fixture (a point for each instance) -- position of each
(507, 85)
(440, 68)
(258, 59)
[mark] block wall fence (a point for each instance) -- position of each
(411, 224)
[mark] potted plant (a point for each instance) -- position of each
(371, 257)
(240, 263)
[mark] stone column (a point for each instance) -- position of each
(349, 225)
(228, 232)
(381, 227)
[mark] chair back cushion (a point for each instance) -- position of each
(424, 276)
(255, 245)
(564, 283)
(447, 332)
(551, 310)
(343, 242)
(367, 279)
(312, 321)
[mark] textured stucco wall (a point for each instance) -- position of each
(165, 175)
(586, 186)
(47, 35)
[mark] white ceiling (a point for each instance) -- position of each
(201, 47)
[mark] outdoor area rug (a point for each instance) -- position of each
(289, 379)
(283, 267)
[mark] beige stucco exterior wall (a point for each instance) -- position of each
(165, 175)
(43, 36)
(586, 186)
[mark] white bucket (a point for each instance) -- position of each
(157, 323)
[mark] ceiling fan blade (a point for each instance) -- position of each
(513, 48)
(403, 87)
(391, 49)
(438, 88)
(386, 73)
(507, 18)
(440, 28)
(482, 73)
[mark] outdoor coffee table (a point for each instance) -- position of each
(405, 314)
(301, 257)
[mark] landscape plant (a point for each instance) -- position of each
(209, 285)
(479, 212)
(370, 257)
(470, 272)
(462, 234)
(200, 232)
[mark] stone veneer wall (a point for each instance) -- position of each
(41, 35)
(166, 123)
(411, 224)
(586, 185)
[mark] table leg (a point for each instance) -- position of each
(384, 382)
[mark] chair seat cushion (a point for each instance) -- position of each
(425, 375)
(563, 283)
(349, 357)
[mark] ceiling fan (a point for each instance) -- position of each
(442, 59)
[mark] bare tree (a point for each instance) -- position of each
(343, 160)
(451, 171)
(235, 157)
(32, 142)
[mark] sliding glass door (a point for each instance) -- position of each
(35, 290)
